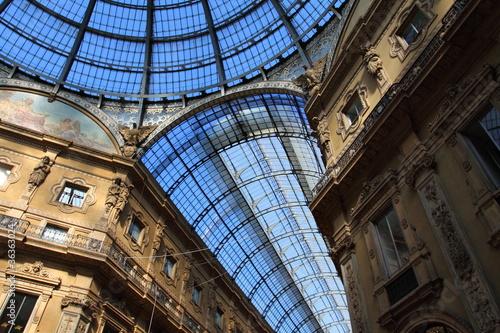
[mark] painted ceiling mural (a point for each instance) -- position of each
(56, 118)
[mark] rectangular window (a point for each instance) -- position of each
(54, 234)
(23, 305)
(168, 266)
(409, 31)
(392, 243)
(5, 171)
(484, 138)
(195, 296)
(218, 317)
(354, 109)
(72, 195)
(108, 329)
(135, 229)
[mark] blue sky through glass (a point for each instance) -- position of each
(192, 50)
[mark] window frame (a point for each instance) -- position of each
(477, 154)
(346, 125)
(72, 195)
(14, 174)
(198, 289)
(142, 240)
(219, 318)
(169, 259)
(408, 24)
(29, 317)
(137, 224)
(382, 244)
(399, 45)
(353, 102)
(79, 183)
(59, 232)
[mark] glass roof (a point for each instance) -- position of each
(241, 173)
(155, 48)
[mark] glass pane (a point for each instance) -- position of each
(398, 238)
(4, 173)
(168, 267)
(135, 230)
(54, 234)
(412, 30)
(24, 304)
(484, 136)
(392, 243)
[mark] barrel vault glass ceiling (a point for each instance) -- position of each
(250, 163)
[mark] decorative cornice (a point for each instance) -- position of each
(461, 97)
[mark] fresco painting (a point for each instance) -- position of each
(35, 112)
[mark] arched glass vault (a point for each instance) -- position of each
(241, 173)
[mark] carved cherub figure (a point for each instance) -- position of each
(134, 137)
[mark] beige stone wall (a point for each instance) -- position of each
(97, 275)
(413, 158)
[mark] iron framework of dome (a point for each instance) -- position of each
(155, 48)
(161, 50)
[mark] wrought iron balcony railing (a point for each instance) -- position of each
(112, 251)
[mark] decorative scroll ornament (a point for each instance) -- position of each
(310, 80)
(342, 243)
(134, 137)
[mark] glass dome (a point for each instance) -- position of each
(155, 48)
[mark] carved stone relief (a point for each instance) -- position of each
(116, 200)
(37, 177)
(375, 67)
(353, 295)
(322, 133)
(37, 269)
(479, 302)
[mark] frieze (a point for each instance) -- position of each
(35, 276)
(37, 269)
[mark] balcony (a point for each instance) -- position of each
(111, 251)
